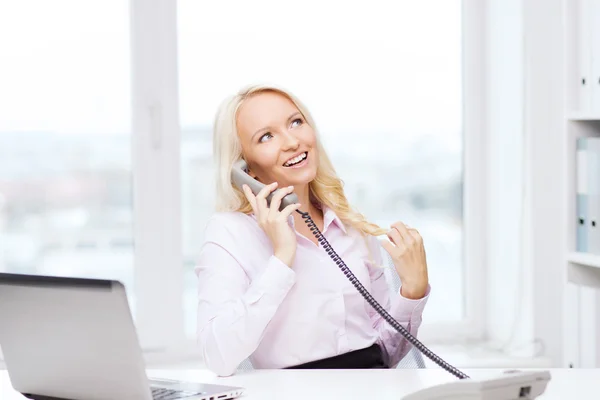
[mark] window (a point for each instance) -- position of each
(388, 76)
(65, 164)
(384, 84)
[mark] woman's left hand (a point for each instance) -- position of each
(408, 254)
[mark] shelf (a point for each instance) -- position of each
(583, 116)
(589, 260)
(584, 269)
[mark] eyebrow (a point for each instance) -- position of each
(294, 115)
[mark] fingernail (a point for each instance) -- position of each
(290, 187)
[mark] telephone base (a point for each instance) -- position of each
(515, 385)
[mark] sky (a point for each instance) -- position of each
(390, 68)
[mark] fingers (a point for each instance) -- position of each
(261, 201)
(414, 233)
(264, 211)
(276, 200)
(398, 241)
(401, 229)
(402, 237)
(286, 212)
(250, 196)
(265, 191)
(408, 233)
(389, 247)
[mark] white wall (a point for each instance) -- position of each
(544, 78)
(508, 297)
(524, 126)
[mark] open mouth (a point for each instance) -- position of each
(296, 160)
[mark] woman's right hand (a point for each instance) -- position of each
(275, 222)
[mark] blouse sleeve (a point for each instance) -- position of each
(408, 312)
(233, 311)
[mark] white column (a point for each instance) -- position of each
(156, 181)
(544, 88)
(509, 319)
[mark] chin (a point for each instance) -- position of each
(305, 180)
(298, 179)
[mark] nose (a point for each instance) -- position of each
(290, 141)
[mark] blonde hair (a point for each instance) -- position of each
(326, 188)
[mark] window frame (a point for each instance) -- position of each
(156, 141)
(155, 135)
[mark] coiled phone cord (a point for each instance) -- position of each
(380, 310)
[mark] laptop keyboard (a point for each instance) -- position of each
(170, 394)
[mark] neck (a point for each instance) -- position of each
(303, 194)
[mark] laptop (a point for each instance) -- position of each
(74, 338)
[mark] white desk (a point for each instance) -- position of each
(566, 384)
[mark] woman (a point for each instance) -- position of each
(267, 290)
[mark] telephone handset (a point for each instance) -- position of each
(527, 385)
(239, 175)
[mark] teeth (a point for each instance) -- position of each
(295, 160)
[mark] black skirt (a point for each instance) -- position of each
(371, 357)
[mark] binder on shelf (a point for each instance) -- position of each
(582, 197)
(593, 195)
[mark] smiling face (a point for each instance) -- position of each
(277, 142)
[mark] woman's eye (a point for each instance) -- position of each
(298, 121)
(265, 136)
